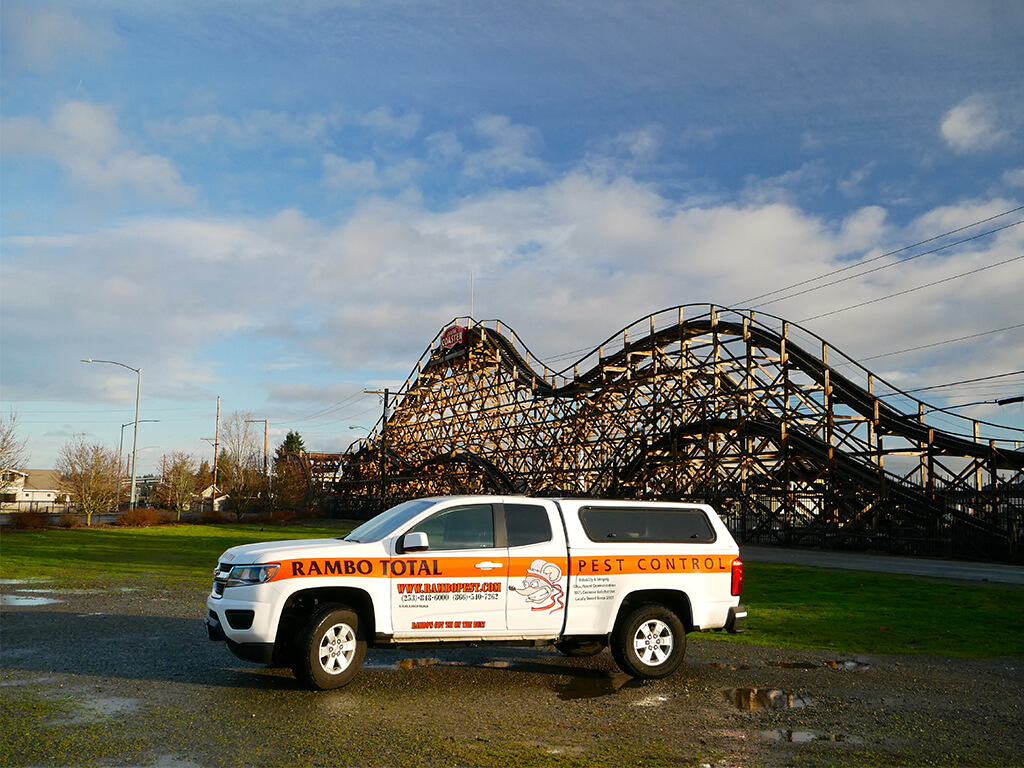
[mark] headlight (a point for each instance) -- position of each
(247, 575)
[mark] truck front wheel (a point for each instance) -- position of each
(650, 642)
(331, 648)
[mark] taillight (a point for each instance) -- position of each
(737, 577)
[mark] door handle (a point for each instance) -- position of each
(489, 566)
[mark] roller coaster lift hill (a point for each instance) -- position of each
(792, 441)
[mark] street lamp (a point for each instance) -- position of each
(135, 458)
(135, 438)
(120, 446)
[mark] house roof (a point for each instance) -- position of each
(41, 479)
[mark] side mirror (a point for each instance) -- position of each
(416, 541)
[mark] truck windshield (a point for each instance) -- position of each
(388, 521)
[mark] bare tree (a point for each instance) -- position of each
(240, 467)
(181, 481)
(88, 475)
(13, 454)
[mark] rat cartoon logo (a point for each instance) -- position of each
(540, 586)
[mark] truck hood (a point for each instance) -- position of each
(296, 549)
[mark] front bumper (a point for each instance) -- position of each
(260, 653)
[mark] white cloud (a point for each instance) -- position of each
(1014, 178)
(257, 128)
(565, 264)
(863, 230)
(366, 175)
(84, 140)
(510, 150)
(809, 180)
(39, 39)
(853, 184)
(384, 120)
(972, 125)
(251, 130)
(699, 138)
(443, 147)
(349, 174)
(626, 153)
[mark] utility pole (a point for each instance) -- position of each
(216, 453)
(135, 438)
(386, 392)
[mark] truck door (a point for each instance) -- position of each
(538, 565)
(457, 588)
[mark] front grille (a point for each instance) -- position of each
(220, 577)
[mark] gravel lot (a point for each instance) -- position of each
(128, 678)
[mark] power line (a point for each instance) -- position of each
(325, 411)
(964, 381)
(940, 343)
(887, 266)
(911, 290)
(893, 253)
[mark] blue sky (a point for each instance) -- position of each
(281, 204)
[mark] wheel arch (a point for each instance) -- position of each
(675, 600)
(301, 605)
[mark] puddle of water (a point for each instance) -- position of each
(754, 699)
(721, 665)
(590, 687)
(173, 761)
(797, 664)
(806, 737)
(408, 663)
(650, 701)
(849, 666)
(108, 706)
(497, 664)
(26, 601)
(414, 663)
(16, 582)
(96, 708)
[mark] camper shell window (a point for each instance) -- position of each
(686, 525)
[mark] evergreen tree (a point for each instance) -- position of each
(293, 442)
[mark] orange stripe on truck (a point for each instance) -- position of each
(645, 564)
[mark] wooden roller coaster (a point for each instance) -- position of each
(791, 440)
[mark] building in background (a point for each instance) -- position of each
(32, 490)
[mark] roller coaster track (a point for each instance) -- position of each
(793, 441)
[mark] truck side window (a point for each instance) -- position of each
(526, 524)
(677, 526)
(470, 527)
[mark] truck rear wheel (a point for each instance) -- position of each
(331, 648)
(650, 642)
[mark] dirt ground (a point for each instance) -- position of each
(128, 678)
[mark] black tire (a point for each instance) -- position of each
(650, 642)
(330, 649)
(579, 647)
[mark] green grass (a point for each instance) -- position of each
(860, 612)
(789, 606)
(37, 727)
(179, 553)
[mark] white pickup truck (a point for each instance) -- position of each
(581, 574)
